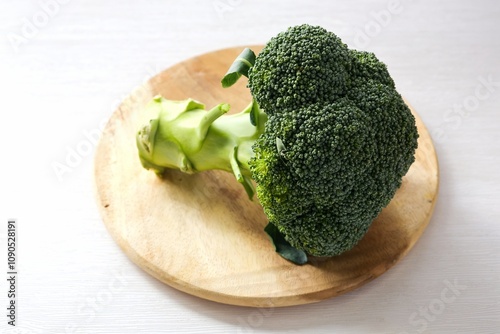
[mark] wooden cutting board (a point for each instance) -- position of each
(200, 233)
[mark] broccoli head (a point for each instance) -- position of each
(327, 138)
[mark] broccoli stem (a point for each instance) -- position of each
(186, 137)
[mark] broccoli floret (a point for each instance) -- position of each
(365, 66)
(338, 166)
(326, 138)
(300, 66)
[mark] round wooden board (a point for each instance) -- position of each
(200, 233)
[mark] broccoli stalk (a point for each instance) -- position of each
(186, 137)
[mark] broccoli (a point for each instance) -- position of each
(326, 138)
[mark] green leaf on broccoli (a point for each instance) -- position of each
(283, 247)
(240, 67)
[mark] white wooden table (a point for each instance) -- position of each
(66, 64)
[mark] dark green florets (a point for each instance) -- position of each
(333, 154)
(302, 65)
(366, 66)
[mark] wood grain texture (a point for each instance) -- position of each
(200, 233)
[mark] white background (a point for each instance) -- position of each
(63, 77)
